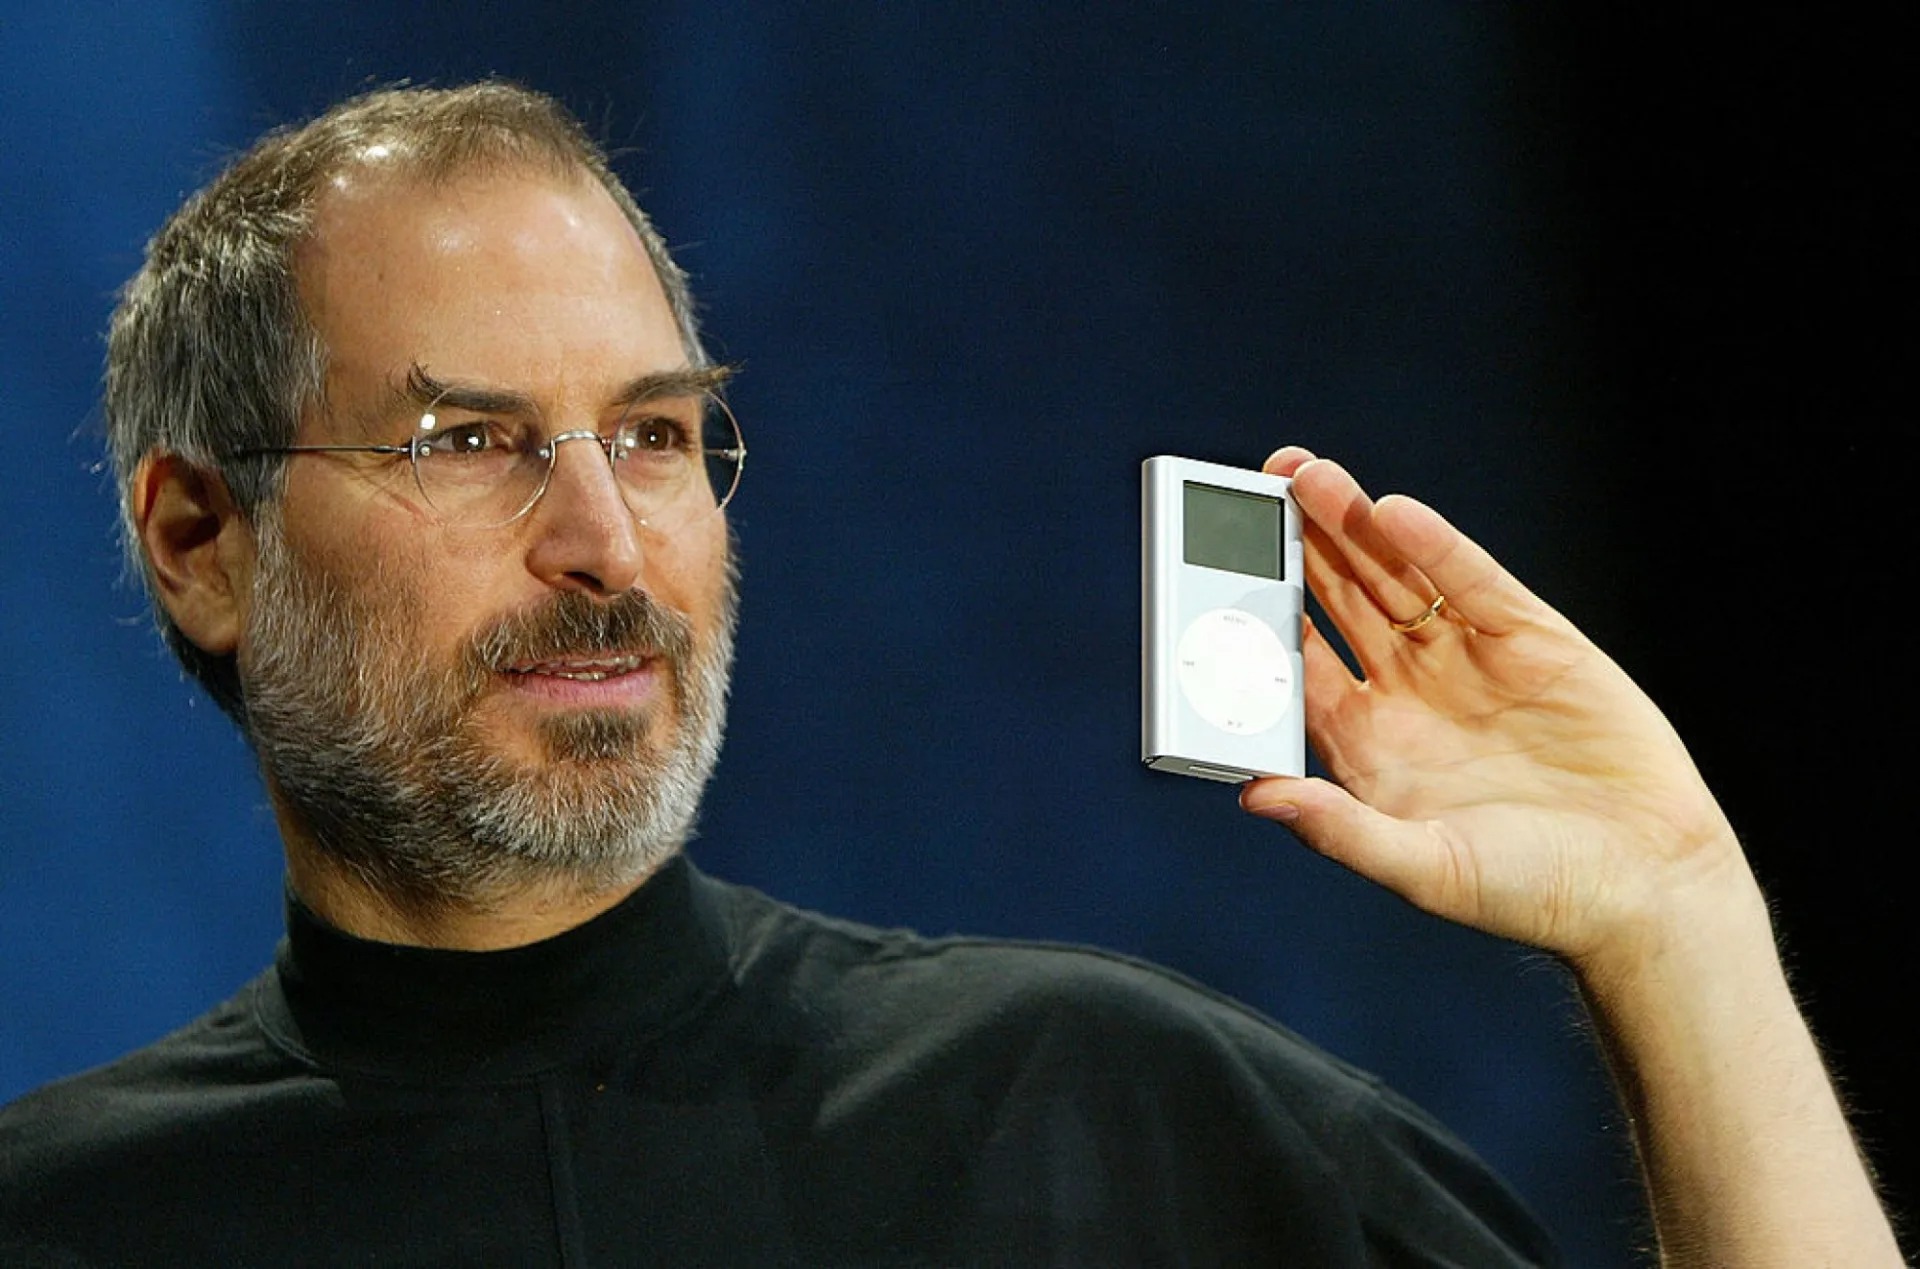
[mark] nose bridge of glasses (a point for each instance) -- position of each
(603, 469)
(578, 434)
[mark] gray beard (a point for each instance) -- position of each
(381, 761)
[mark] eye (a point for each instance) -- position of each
(473, 438)
(651, 436)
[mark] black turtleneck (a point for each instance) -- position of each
(427, 1015)
(702, 1076)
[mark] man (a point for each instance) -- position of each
(484, 669)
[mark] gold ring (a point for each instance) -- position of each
(1412, 624)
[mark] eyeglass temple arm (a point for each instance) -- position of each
(322, 449)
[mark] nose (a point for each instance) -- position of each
(585, 537)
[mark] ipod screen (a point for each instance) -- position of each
(1240, 532)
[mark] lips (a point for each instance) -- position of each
(588, 680)
(583, 669)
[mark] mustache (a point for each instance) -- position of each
(575, 624)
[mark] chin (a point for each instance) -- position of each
(530, 741)
(596, 736)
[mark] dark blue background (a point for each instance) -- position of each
(1604, 290)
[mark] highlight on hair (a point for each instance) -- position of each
(209, 352)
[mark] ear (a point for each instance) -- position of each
(199, 549)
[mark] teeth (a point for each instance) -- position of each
(583, 670)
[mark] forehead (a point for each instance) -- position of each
(522, 278)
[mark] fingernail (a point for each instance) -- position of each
(1285, 812)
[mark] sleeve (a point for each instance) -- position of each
(1423, 1197)
(1258, 1142)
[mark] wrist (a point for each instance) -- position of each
(1695, 934)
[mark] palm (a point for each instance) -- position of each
(1517, 780)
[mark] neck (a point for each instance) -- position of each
(350, 901)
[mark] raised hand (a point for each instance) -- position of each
(1498, 769)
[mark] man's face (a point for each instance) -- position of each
(460, 711)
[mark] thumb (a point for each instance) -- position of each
(1414, 860)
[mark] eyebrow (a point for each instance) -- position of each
(424, 390)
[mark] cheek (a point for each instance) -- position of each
(385, 560)
(456, 586)
(689, 574)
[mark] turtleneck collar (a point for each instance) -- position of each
(408, 1013)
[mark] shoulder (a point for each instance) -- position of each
(1063, 1014)
(109, 1118)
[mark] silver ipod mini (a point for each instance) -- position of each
(1221, 594)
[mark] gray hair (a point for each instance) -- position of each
(210, 353)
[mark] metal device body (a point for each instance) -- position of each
(1221, 674)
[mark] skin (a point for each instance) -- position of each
(521, 282)
(1495, 768)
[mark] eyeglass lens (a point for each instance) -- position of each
(674, 456)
